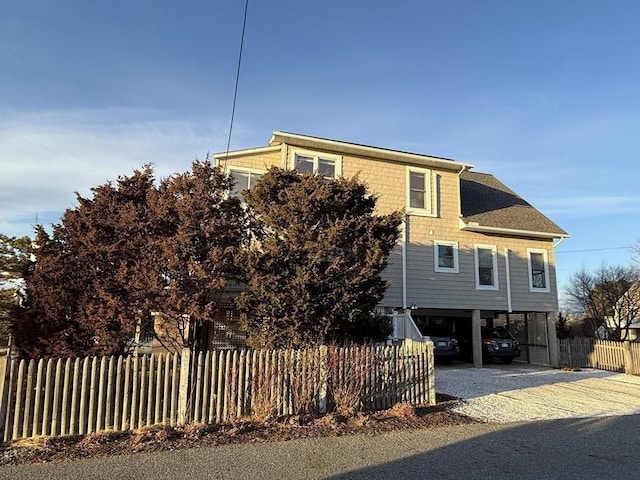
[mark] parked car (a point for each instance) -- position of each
(445, 345)
(498, 343)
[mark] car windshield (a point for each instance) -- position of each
(500, 332)
(435, 332)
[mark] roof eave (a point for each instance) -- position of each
(381, 153)
(246, 151)
(476, 227)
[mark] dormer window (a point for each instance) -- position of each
(326, 165)
(244, 179)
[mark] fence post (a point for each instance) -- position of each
(322, 380)
(183, 390)
(4, 393)
(628, 359)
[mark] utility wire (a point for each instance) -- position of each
(593, 250)
(235, 91)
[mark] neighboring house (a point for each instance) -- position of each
(627, 315)
(472, 252)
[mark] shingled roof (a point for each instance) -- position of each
(489, 204)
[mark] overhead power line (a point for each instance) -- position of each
(593, 250)
(235, 91)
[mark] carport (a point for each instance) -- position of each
(535, 331)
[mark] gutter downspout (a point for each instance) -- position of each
(464, 169)
(404, 261)
(562, 239)
(508, 274)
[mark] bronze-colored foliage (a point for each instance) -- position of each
(131, 249)
(313, 269)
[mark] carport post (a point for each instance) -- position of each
(552, 341)
(476, 338)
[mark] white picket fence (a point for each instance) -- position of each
(51, 397)
(601, 354)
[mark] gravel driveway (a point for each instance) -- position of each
(522, 392)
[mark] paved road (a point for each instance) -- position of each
(571, 449)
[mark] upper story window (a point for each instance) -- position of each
(445, 256)
(244, 179)
(538, 270)
(310, 162)
(486, 257)
(419, 195)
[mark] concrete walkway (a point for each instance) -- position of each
(522, 392)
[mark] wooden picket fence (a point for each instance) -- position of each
(601, 354)
(52, 397)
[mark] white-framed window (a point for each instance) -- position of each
(244, 179)
(538, 261)
(419, 192)
(445, 256)
(486, 257)
(305, 161)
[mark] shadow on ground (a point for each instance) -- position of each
(594, 448)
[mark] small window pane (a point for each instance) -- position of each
(253, 179)
(537, 261)
(485, 258)
(417, 199)
(241, 180)
(485, 275)
(327, 167)
(416, 181)
(304, 164)
(445, 256)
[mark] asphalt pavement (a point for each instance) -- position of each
(571, 449)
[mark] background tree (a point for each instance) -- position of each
(94, 279)
(601, 297)
(635, 254)
(313, 271)
(130, 250)
(14, 258)
(562, 328)
(203, 230)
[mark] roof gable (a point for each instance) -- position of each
(347, 148)
(488, 204)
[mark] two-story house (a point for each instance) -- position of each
(471, 253)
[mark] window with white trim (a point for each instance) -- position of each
(419, 195)
(244, 179)
(486, 257)
(538, 261)
(445, 256)
(312, 162)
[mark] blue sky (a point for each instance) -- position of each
(545, 95)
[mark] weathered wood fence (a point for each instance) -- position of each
(50, 397)
(600, 354)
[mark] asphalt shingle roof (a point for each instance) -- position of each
(491, 203)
